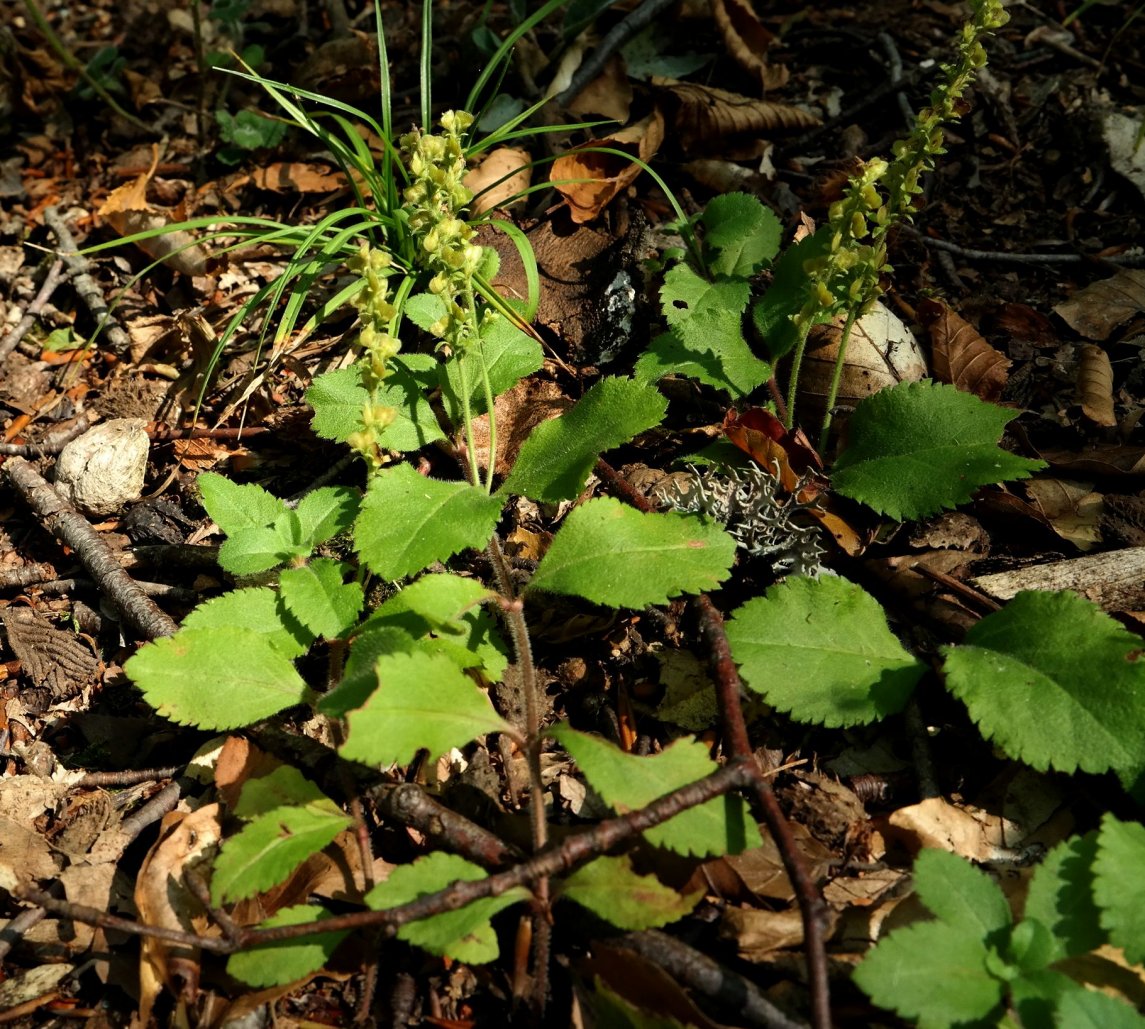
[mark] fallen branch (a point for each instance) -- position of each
(18, 331)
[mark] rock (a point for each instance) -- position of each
(104, 468)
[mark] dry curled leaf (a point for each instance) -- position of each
(960, 355)
(747, 41)
(499, 179)
(1071, 509)
(705, 114)
(1095, 385)
(1097, 310)
(51, 658)
(589, 179)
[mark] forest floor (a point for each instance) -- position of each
(1020, 279)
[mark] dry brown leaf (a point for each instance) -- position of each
(1072, 509)
(747, 41)
(705, 114)
(505, 173)
(1115, 460)
(606, 174)
(1097, 310)
(297, 177)
(51, 658)
(1095, 385)
(960, 355)
(971, 832)
(609, 95)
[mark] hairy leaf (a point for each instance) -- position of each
(722, 362)
(408, 521)
(316, 595)
(1087, 1009)
(1061, 897)
(612, 554)
(216, 678)
(556, 459)
(821, 650)
(1055, 682)
(235, 507)
(743, 233)
(465, 934)
(422, 701)
(325, 512)
(259, 609)
(359, 678)
(919, 447)
(275, 964)
(959, 894)
(612, 890)
(1119, 885)
(509, 355)
(626, 782)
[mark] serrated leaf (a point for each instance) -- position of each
(449, 607)
(556, 459)
(283, 786)
(216, 678)
(339, 397)
(615, 555)
(267, 851)
(743, 233)
(1061, 897)
(325, 512)
(612, 890)
(790, 287)
(722, 362)
(509, 355)
(235, 507)
(252, 550)
(359, 679)
(821, 650)
(627, 782)
(1087, 1009)
(259, 609)
(920, 447)
(1035, 996)
(1119, 884)
(275, 964)
(422, 701)
(1055, 682)
(696, 308)
(465, 934)
(960, 895)
(316, 595)
(408, 521)
(932, 972)
(423, 309)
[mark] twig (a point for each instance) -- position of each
(736, 740)
(696, 970)
(86, 286)
(620, 34)
(159, 805)
(920, 755)
(130, 777)
(1005, 257)
(70, 527)
(571, 853)
(18, 331)
(26, 575)
(53, 441)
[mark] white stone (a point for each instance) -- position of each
(104, 468)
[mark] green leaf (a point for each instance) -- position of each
(317, 597)
(1087, 1009)
(275, 964)
(408, 521)
(743, 233)
(723, 362)
(919, 447)
(259, 609)
(787, 294)
(422, 701)
(1036, 996)
(959, 894)
(338, 399)
(1119, 884)
(359, 679)
(612, 890)
(449, 607)
(933, 972)
(1055, 682)
(465, 934)
(612, 554)
(423, 309)
(234, 507)
(284, 786)
(325, 512)
(821, 650)
(627, 782)
(696, 307)
(216, 678)
(509, 354)
(556, 459)
(267, 851)
(1061, 897)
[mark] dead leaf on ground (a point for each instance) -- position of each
(294, 177)
(705, 114)
(1112, 461)
(1095, 385)
(757, 934)
(519, 411)
(960, 355)
(747, 41)
(498, 179)
(1097, 310)
(1071, 509)
(609, 95)
(589, 179)
(51, 658)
